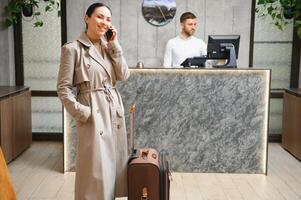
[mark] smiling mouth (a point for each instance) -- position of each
(103, 29)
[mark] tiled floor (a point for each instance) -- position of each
(37, 175)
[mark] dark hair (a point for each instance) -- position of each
(92, 8)
(187, 15)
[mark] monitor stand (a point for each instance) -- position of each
(231, 61)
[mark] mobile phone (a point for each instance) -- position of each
(109, 34)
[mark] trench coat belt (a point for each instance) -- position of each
(104, 89)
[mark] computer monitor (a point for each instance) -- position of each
(223, 47)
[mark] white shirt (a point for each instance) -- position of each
(178, 49)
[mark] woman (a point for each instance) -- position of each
(93, 63)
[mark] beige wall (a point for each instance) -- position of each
(144, 42)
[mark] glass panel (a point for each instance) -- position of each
(271, 56)
(46, 115)
(273, 50)
(265, 30)
(41, 50)
(275, 121)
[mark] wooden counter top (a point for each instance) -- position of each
(294, 91)
(9, 90)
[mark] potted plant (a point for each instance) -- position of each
(282, 12)
(29, 8)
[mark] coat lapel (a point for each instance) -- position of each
(93, 53)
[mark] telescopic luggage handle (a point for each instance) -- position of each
(132, 121)
(132, 125)
(134, 152)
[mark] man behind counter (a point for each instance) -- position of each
(184, 45)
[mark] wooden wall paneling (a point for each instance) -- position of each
(291, 136)
(28, 118)
(18, 123)
(285, 127)
(21, 122)
(7, 129)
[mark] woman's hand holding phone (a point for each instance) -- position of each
(111, 34)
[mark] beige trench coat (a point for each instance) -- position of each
(101, 134)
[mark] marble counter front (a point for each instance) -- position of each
(204, 120)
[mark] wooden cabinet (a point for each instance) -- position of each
(15, 120)
(291, 135)
(6, 116)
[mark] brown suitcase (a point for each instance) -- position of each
(148, 172)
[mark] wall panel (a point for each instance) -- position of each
(146, 43)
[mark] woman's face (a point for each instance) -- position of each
(99, 22)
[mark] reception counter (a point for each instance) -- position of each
(204, 120)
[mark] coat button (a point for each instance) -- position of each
(100, 132)
(118, 126)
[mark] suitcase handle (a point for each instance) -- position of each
(144, 194)
(145, 154)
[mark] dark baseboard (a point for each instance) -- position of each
(47, 136)
(275, 138)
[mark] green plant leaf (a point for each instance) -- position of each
(8, 22)
(273, 15)
(47, 8)
(260, 2)
(14, 7)
(281, 12)
(38, 24)
(278, 16)
(270, 10)
(298, 23)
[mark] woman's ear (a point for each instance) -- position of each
(86, 19)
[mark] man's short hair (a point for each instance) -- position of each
(187, 15)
